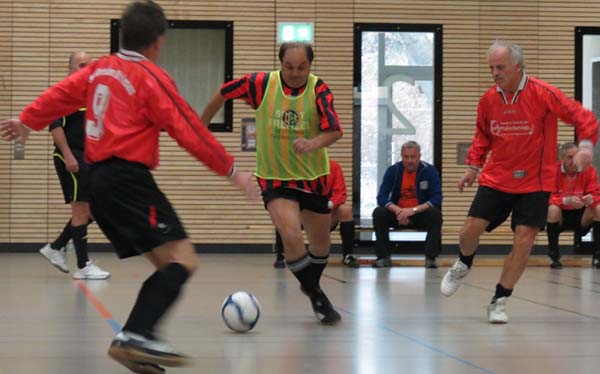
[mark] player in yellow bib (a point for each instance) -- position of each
(295, 122)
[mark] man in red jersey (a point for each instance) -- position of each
(517, 122)
(295, 122)
(130, 100)
(341, 214)
(574, 204)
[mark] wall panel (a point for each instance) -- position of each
(35, 43)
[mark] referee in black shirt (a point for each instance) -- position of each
(68, 134)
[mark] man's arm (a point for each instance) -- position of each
(338, 187)
(58, 135)
(214, 105)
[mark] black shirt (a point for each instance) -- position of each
(74, 127)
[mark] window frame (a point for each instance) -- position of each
(227, 26)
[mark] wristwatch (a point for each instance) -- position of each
(415, 210)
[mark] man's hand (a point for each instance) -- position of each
(71, 163)
(14, 130)
(575, 202)
(246, 182)
(584, 156)
(467, 179)
(302, 145)
(588, 199)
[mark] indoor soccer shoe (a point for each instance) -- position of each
(497, 311)
(453, 278)
(138, 350)
(91, 271)
(322, 307)
(56, 258)
(139, 367)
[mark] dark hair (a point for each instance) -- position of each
(141, 25)
(310, 54)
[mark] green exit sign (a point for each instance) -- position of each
(295, 32)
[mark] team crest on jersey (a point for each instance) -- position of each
(290, 118)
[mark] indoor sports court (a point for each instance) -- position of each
(404, 186)
(393, 320)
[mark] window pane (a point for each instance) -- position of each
(195, 58)
(396, 102)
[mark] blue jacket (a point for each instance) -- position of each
(429, 186)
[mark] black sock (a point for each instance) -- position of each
(467, 260)
(347, 234)
(553, 231)
(278, 244)
(304, 272)
(501, 292)
(63, 238)
(596, 235)
(156, 296)
(80, 241)
(318, 264)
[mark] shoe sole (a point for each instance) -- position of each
(131, 355)
(498, 322)
(53, 264)
(136, 367)
(90, 278)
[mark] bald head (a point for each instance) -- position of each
(78, 60)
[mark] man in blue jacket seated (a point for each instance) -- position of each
(410, 196)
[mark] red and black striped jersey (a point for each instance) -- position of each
(251, 89)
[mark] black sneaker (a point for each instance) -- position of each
(382, 262)
(136, 351)
(350, 261)
(430, 263)
(596, 260)
(556, 264)
(140, 367)
(322, 307)
(279, 262)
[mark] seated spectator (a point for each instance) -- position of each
(574, 204)
(410, 196)
(341, 214)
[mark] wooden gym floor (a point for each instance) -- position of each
(394, 320)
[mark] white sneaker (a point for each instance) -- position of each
(56, 258)
(91, 271)
(497, 311)
(453, 278)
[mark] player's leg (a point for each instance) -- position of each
(553, 230)
(138, 219)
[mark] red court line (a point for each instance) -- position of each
(95, 302)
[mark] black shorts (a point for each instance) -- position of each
(130, 209)
(571, 221)
(528, 209)
(306, 200)
(75, 186)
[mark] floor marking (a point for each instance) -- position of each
(98, 305)
(426, 345)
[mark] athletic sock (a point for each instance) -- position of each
(553, 231)
(347, 234)
(304, 272)
(501, 292)
(596, 235)
(467, 260)
(63, 238)
(157, 295)
(317, 265)
(278, 244)
(80, 242)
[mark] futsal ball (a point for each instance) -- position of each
(240, 311)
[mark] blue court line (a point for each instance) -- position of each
(426, 345)
(99, 306)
